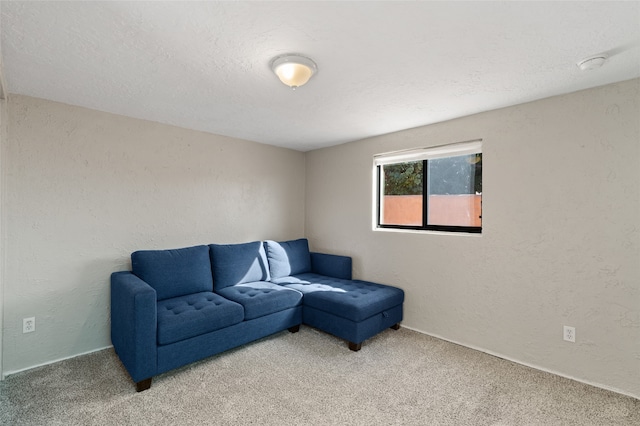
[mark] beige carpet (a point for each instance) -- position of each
(310, 378)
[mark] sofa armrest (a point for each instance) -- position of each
(134, 324)
(331, 265)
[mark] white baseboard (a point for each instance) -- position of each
(526, 364)
(6, 374)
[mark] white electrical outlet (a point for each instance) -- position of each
(569, 334)
(28, 325)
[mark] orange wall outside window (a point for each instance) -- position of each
(454, 210)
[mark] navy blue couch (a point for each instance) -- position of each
(179, 306)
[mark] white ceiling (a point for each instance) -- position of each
(383, 66)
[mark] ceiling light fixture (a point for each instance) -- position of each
(592, 62)
(293, 70)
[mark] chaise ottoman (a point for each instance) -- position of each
(353, 310)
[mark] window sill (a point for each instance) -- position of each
(423, 232)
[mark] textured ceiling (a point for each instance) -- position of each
(383, 66)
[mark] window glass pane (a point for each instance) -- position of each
(401, 195)
(455, 191)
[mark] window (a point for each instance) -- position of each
(437, 189)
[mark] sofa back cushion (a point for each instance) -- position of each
(238, 263)
(176, 272)
(288, 257)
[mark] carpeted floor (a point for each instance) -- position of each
(310, 378)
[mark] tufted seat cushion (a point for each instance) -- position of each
(195, 314)
(261, 298)
(354, 300)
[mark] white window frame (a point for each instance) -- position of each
(420, 154)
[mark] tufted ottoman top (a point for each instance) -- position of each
(352, 299)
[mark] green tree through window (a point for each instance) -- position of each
(456, 175)
(403, 178)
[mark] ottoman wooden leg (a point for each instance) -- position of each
(294, 329)
(395, 327)
(355, 346)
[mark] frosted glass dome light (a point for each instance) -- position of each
(293, 70)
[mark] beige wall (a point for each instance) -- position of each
(3, 138)
(84, 189)
(560, 242)
(3, 127)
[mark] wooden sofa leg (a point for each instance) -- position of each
(294, 329)
(395, 326)
(143, 385)
(355, 346)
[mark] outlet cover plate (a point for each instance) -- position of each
(569, 333)
(29, 325)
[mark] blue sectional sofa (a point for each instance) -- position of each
(179, 306)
